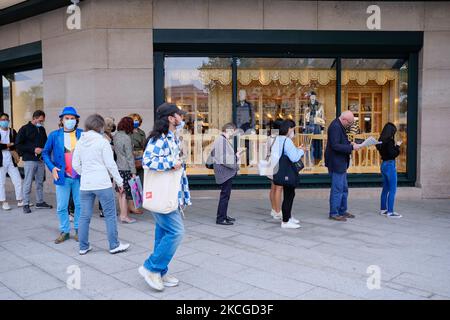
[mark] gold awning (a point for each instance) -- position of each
(285, 77)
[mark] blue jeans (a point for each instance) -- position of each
(338, 193)
(169, 232)
(108, 202)
(389, 173)
(62, 203)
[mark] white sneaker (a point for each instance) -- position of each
(153, 279)
(289, 225)
(6, 206)
(275, 215)
(121, 248)
(83, 252)
(170, 281)
(294, 220)
(383, 212)
(20, 203)
(394, 215)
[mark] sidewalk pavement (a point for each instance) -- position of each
(254, 259)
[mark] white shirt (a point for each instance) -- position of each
(5, 140)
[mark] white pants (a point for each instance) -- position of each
(8, 167)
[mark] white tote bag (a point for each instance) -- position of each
(266, 167)
(161, 190)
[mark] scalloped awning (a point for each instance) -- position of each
(285, 77)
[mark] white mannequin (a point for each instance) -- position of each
(242, 96)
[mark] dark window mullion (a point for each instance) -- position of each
(234, 94)
(158, 80)
(411, 121)
(338, 86)
(1, 94)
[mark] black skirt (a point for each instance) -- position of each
(126, 176)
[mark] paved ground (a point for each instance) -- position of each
(255, 259)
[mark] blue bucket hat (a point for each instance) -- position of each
(69, 111)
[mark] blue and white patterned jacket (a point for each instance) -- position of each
(161, 155)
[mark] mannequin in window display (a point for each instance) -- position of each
(245, 116)
(245, 119)
(314, 119)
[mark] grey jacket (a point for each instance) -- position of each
(225, 160)
(124, 152)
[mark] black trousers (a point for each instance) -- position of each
(288, 200)
(225, 192)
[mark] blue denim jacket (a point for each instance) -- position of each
(53, 153)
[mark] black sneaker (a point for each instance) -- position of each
(26, 209)
(225, 223)
(43, 205)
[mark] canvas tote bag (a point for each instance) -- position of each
(161, 189)
(266, 167)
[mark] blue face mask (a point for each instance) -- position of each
(181, 125)
(136, 124)
(4, 124)
(69, 124)
(38, 124)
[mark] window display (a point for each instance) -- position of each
(270, 90)
(202, 87)
(303, 90)
(22, 95)
(375, 90)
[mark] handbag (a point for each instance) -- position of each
(138, 156)
(161, 189)
(287, 173)
(210, 161)
(266, 167)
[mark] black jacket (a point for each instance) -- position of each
(12, 139)
(388, 150)
(28, 138)
(339, 148)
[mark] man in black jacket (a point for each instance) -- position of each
(30, 141)
(337, 160)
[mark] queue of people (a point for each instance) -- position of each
(284, 154)
(90, 164)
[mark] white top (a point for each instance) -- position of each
(5, 140)
(93, 159)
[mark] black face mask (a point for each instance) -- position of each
(113, 128)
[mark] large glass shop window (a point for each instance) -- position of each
(22, 95)
(375, 90)
(274, 89)
(202, 87)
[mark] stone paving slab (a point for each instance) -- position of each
(254, 259)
